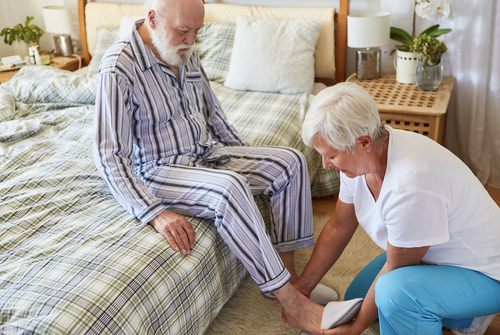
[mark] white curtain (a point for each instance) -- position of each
(473, 58)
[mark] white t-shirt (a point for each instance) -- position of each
(429, 197)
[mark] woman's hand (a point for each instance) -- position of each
(345, 329)
(302, 290)
(176, 229)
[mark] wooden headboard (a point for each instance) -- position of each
(340, 19)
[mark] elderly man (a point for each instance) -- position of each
(165, 149)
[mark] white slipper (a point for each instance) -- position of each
(321, 295)
(337, 313)
(478, 326)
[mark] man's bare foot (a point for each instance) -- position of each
(299, 311)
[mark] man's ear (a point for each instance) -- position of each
(152, 18)
(366, 143)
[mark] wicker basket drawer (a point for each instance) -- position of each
(422, 124)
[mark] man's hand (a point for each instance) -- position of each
(176, 229)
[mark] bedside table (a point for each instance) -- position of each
(404, 106)
(63, 63)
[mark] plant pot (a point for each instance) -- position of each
(428, 77)
(20, 48)
(405, 64)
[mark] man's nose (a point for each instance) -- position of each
(190, 38)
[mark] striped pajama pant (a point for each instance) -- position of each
(225, 194)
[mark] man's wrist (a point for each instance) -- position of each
(163, 213)
(151, 212)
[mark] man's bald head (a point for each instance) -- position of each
(173, 26)
(164, 7)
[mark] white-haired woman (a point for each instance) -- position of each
(419, 202)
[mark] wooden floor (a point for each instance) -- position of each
(326, 205)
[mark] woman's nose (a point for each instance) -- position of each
(327, 164)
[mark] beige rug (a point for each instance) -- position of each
(247, 312)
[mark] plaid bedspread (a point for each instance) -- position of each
(72, 260)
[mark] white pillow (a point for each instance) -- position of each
(273, 55)
(126, 24)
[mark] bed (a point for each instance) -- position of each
(72, 260)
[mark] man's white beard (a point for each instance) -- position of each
(168, 52)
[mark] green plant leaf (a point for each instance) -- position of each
(401, 36)
(28, 20)
(439, 32)
(429, 30)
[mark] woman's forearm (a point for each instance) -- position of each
(330, 245)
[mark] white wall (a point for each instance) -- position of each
(13, 12)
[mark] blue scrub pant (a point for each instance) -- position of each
(422, 299)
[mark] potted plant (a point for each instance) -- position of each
(408, 41)
(429, 72)
(406, 60)
(22, 35)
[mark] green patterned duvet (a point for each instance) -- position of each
(72, 260)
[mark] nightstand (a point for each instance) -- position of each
(63, 63)
(404, 106)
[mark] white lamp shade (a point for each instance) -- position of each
(366, 30)
(57, 19)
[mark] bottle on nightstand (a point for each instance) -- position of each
(31, 52)
(38, 60)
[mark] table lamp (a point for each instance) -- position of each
(368, 30)
(58, 21)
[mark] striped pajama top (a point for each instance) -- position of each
(145, 118)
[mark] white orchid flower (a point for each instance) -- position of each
(442, 8)
(433, 9)
(431, 12)
(421, 10)
(422, 3)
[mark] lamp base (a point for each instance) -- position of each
(368, 64)
(64, 46)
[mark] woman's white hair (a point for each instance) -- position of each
(340, 114)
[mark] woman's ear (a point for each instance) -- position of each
(365, 142)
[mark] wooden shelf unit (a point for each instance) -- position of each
(404, 106)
